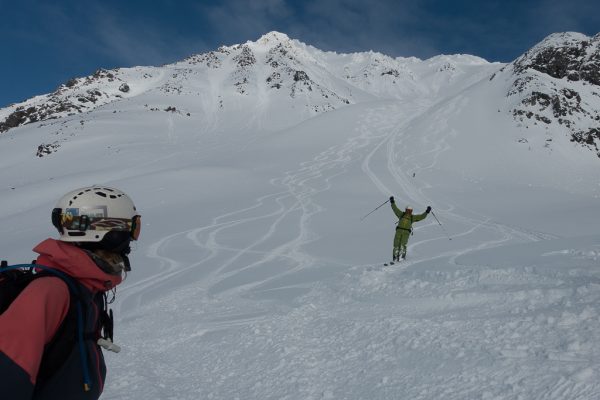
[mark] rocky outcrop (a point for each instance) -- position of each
(75, 96)
(565, 56)
(211, 59)
(244, 60)
(47, 148)
(589, 138)
(557, 83)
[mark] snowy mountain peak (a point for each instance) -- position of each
(562, 39)
(277, 81)
(268, 42)
(274, 71)
(556, 84)
(569, 55)
(273, 37)
(457, 58)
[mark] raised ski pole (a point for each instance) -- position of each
(441, 226)
(387, 201)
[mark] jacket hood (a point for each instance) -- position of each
(72, 260)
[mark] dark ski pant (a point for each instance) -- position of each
(400, 243)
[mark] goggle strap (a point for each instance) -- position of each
(56, 217)
(136, 222)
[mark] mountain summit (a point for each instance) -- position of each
(277, 82)
(298, 80)
(273, 37)
(557, 84)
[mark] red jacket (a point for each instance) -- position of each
(34, 317)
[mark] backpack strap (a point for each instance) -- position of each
(62, 344)
(76, 297)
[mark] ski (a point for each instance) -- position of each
(385, 264)
(378, 267)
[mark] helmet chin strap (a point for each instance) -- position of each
(110, 262)
(124, 251)
(111, 253)
(125, 255)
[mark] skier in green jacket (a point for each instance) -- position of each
(404, 228)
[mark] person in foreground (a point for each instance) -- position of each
(404, 228)
(52, 332)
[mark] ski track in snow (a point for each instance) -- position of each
(301, 185)
(400, 314)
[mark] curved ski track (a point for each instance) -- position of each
(384, 132)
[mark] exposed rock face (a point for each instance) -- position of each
(571, 56)
(591, 138)
(288, 72)
(47, 148)
(244, 60)
(17, 118)
(212, 59)
(75, 96)
(558, 84)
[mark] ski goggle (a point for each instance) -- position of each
(84, 222)
(136, 227)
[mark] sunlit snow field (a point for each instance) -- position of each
(256, 278)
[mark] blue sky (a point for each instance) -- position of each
(44, 43)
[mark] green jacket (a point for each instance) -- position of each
(406, 220)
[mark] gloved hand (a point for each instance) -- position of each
(392, 199)
(428, 209)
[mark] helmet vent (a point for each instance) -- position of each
(101, 194)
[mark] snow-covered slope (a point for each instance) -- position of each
(255, 276)
(273, 82)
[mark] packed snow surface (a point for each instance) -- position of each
(256, 278)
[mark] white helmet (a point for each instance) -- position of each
(88, 214)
